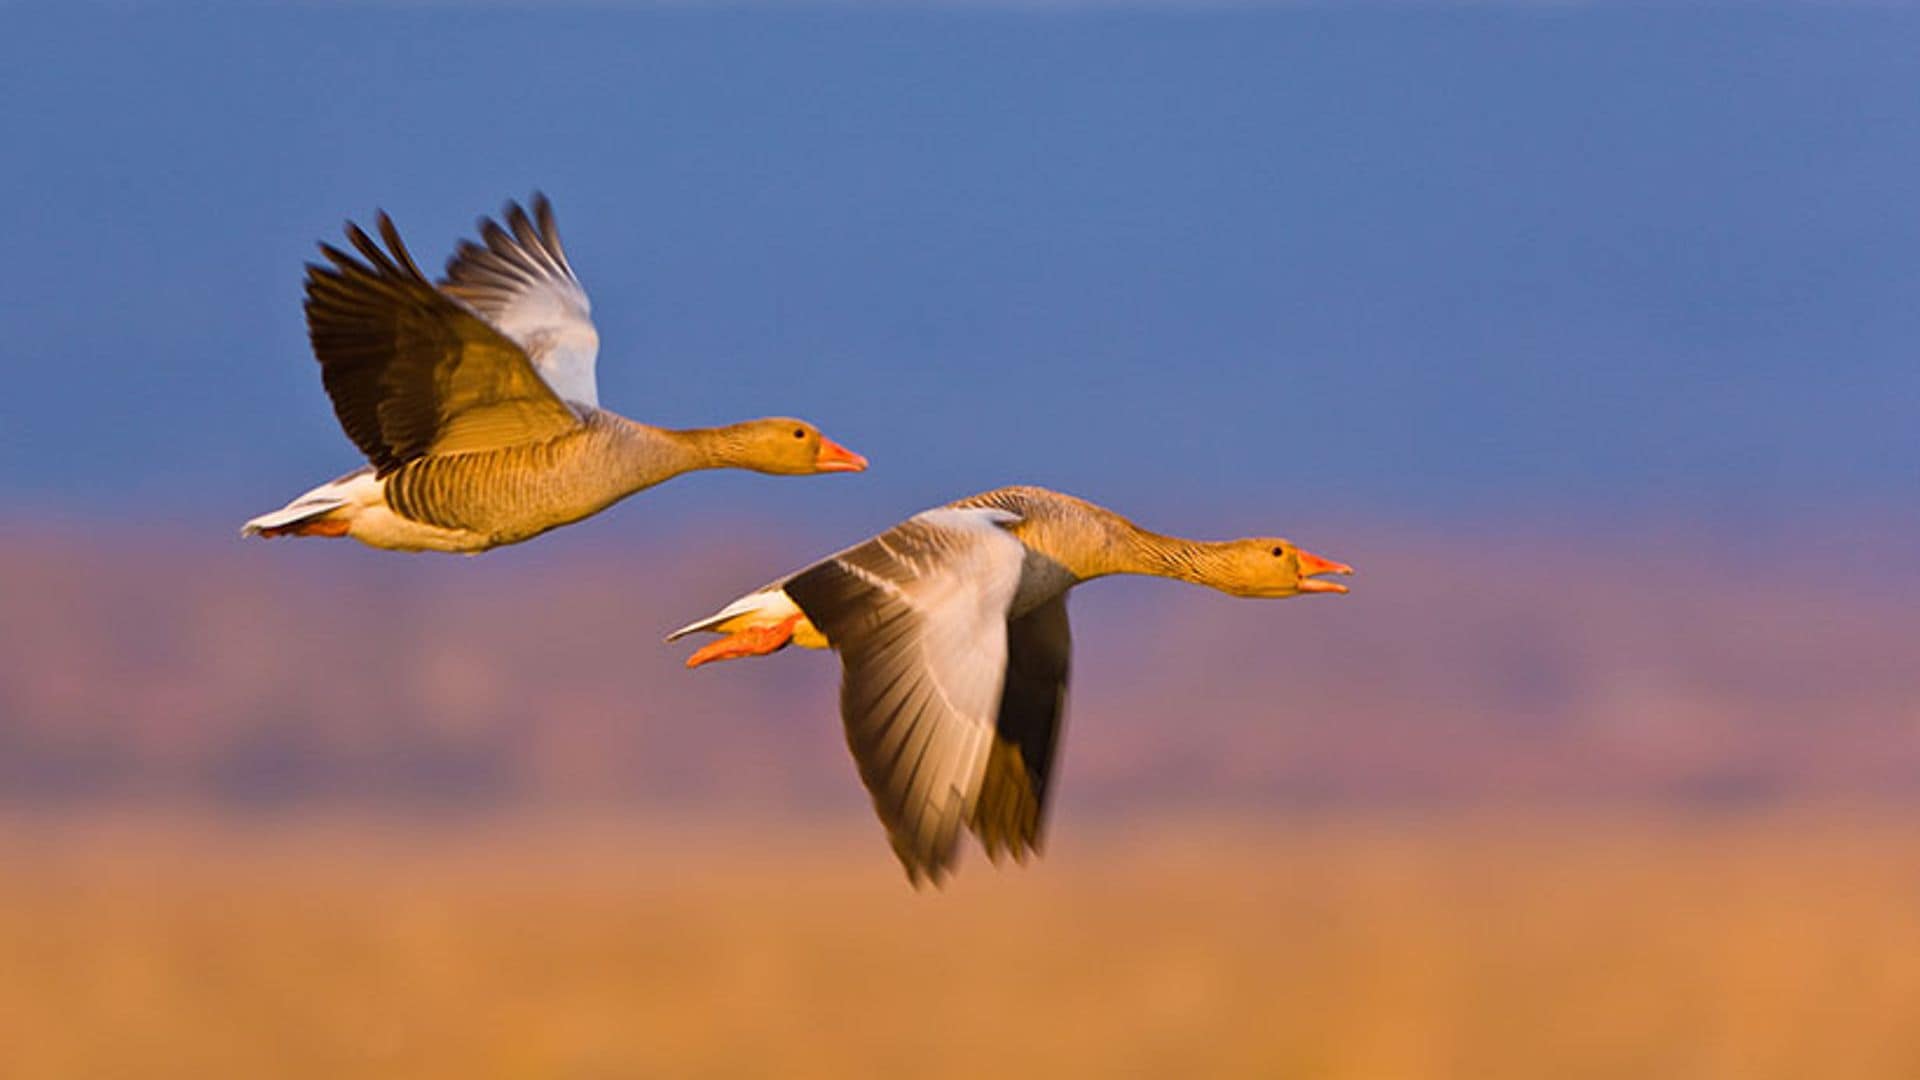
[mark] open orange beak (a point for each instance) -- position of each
(1311, 566)
(836, 458)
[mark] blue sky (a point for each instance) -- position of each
(1397, 262)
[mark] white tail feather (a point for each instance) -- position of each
(355, 487)
(288, 515)
(765, 607)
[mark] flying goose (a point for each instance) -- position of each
(954, 646)
(475, 404)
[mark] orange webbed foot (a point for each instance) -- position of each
(311, 527)
(753, 641)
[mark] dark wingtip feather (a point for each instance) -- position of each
(927, 877)
(499, 241)
(341, 260)
(391, 234)
(515, 216)
(519, 247)
(549, 227)
(463, 250)
(529, 237)
(367, 248)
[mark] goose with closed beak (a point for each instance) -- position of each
(475, 402)
(954, 645)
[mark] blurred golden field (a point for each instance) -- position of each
(1568, 945)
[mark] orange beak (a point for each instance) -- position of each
(836, 458)
(1312, 565)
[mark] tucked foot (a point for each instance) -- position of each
(753, 641)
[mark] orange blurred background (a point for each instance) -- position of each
(299, 810)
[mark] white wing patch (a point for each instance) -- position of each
(521, 283)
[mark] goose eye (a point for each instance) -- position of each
(1277, 552)
(799, 433)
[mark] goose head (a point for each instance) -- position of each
(1268, 567)
(787, 447)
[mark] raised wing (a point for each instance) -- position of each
(521, 282)
(919, 616)
(1011, 810)
(410, 370)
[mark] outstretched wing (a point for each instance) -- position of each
(521, 282)
(919, 616)
(1011, 810)
(412, 371)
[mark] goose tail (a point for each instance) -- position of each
(313, 514)
(767, 607)
(295, 519)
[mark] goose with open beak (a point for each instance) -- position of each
(954, 645)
